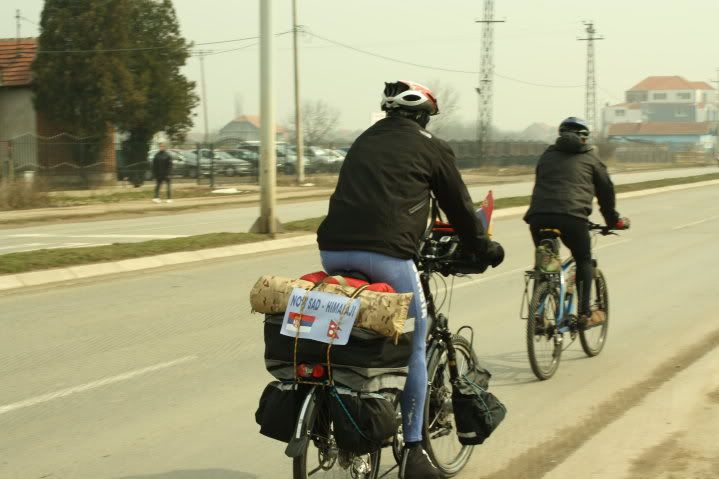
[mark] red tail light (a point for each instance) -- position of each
(304, 370)
(310, 371)
(318, 371)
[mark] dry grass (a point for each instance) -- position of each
(16, 195)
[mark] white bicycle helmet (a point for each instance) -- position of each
(410, 96)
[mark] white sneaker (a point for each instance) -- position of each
(169, 201)
(156, 200)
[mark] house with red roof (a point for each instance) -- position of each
(28, 141)
(666, 109)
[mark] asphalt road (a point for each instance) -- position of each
(157, 375)
(92, 233)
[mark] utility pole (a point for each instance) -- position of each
(266, 223)
(486, 80)
(716, 117)
(299, 142)
(201, 54)
(17, 31)
(590, 101)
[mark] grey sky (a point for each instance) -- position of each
(537, 44)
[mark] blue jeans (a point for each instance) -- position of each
(403, 276)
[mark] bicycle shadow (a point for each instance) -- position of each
(508, 369)
(195, 474)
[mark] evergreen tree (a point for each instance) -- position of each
(114, 63)
(78, 87)
(162, 98)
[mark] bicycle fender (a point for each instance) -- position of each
(305, 420)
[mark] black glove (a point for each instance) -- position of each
(495, 254)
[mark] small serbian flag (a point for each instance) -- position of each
(484, 213)
(303, 321)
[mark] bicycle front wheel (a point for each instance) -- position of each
(593, 339)
(440, 430)
(321, 458)
(544, 345)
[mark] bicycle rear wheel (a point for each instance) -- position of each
(322, 459)
(593, 339)
(544, 345)
(440, 431)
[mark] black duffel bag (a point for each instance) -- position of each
(362, 421)
(279, 408)
(477, 412)
(365, 348)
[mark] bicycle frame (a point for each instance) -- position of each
(559, 280)
(566, 298)
(438, 332)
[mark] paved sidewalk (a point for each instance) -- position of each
(248, 196)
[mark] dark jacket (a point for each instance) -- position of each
(161, 165)
(382, 198)
(569, 174)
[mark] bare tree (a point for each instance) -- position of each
(318, 122)
(448, 100)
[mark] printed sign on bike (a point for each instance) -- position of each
(319, 316)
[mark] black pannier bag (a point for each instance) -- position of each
(362, 421)
(477, 412)
(279, 409)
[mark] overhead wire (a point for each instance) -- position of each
(450, 70)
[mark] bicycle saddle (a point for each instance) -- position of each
(549, 233)
(347, 273)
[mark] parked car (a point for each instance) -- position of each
(320, 159)
(184, 163)
(229, 165)
(284, 159)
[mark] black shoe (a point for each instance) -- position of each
(415, 464)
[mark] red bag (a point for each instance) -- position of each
(354, 282)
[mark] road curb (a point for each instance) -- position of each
(58, 275)
(36, 278)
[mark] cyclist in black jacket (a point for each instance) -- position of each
(376, 219)
(569, 174)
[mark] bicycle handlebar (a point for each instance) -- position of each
(602, 229)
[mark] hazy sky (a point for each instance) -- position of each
(537, 44)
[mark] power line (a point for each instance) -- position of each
(138, 49)
(450, 70)
(396, 60)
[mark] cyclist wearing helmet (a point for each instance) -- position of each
(569, 174)
(376, 219)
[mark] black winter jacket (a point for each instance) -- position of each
(382, 198)
(161, 165)
(569, 174)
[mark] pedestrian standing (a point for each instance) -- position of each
(161, 171)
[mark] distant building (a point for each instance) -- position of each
(666, 109)
(246, 128)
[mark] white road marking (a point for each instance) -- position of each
(93, 385)
(693, 223)
(47, 235)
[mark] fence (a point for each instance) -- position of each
(62, 160)
(65, 161)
